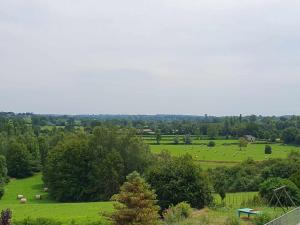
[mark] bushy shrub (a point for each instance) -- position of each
(175, 214)
(267, 187)
(296, 179)
(268, 149)
(262, 219)
(211, 144)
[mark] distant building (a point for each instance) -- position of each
(148, 131)
(250, 138)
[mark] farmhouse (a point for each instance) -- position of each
(250, 138)
(147, 131)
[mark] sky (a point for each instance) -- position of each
(193, 57)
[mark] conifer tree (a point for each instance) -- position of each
(135, 204)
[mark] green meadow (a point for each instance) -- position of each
(91, 211)
(47, 208)
(225, 153)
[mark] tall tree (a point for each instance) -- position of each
(158, 136)
(135, 204)
(18, 160)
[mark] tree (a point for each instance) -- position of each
(243, 143)
(267, 187)
(296, 179)
(297, 139)
(136, 203)
(211, 144)
(219, 181)
(18, 160)
(289, 135)
(212, 131)
(3, 174)
(176, 140)
(86, 167)
(187, 139)
(43, 149)
(268, 149)
(158, 136)
(177, 180)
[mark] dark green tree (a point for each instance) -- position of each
(267, 187)
(296, 178)
(289, 135)
(3, 174)
(92, 167)
(177, 180)
(18, 159)
(268, 149)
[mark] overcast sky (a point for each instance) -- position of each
(222, 57)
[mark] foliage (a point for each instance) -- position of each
(267, 187)
(282, 168)
(136, 203)
(3, 174)
(212, 132)
(239, 178)
(289, 135)
(243, 143)
(187, 139)
(218, 179)
(268, 149)
(92, 167)
(18, 160)
(262, 219)
(178, 213)
(5, 218)
(177, 180)
(176, 140)
(295, 178)
(211, 144)
(158, 136)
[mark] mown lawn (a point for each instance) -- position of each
(47, 208)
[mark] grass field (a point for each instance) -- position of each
(83, 212)
(47, 208)
(225, 153)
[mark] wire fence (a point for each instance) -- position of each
(290, 218)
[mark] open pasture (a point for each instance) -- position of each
(47, 208)
(226, 152)
(90, 212)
